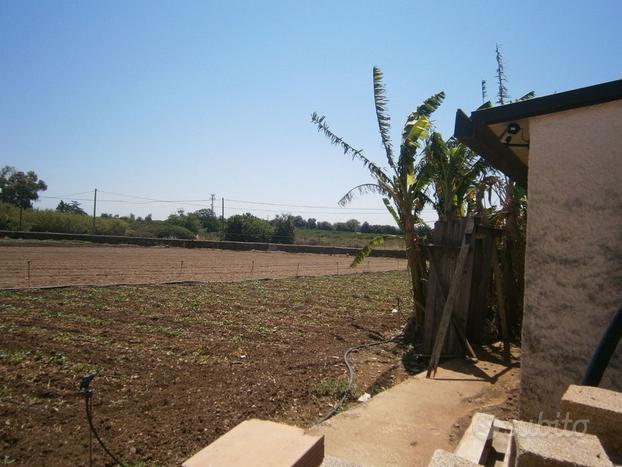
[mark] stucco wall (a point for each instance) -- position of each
(573, 270)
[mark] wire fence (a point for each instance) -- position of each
(51, 270)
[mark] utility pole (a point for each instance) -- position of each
(94, 211)
(222, 218)
(213, 197)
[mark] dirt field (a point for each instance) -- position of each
(179, 365)
(61, 264)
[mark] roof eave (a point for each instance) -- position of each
(484, 142)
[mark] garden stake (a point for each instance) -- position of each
(28, 273)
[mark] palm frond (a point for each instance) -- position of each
(526, 97)
(374, 169)
(361, 190)
(367, 249)
(392, 211)
(430, 104)
(384, 121)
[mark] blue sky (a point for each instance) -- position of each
(177, 100)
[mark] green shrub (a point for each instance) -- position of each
(160, 230)
(188, 221)
(111, 226)
(284, 229)
(47, 220)
(9, 216)
(248, 228)
(52, 221)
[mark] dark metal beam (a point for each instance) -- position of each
(559, 102)
(484, 142)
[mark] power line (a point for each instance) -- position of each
(239, 201)
(195, 202)
(302, 206)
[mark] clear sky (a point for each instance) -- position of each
(177, 100)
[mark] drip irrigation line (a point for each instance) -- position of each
(347, 393)
(86, 390)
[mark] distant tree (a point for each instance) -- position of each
(365, 227)
(324, 225)
(311, 223)
(208, 220)
(72, 207)
(148, 218)
(300, 222)
(352, 225)
(284, 228)
(20, 189)
(248, 228)
(187, 221)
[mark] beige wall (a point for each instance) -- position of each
(573, 270)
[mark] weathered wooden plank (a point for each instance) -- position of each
(452, 296)
(480, 286)
(440, 286)
(503, 320)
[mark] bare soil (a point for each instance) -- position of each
(179, 365)
(46, 265)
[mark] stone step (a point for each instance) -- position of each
(261, 443)
(597, 411)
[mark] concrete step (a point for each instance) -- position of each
(264, 444)
(330, 461)
(443, 458)
(597, 411)
(477, 438)
(486, 441)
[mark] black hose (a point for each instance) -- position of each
(604, 351)
(347, 393)
(89, 417)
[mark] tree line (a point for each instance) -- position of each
(19, 190)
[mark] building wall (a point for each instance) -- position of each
(573, 264)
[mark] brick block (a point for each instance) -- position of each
(541, 446)
(601, 411)
(261, 443)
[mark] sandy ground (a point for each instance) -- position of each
(36, 266)
(404, 425)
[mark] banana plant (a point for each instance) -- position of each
(454, 171)
(402, 184)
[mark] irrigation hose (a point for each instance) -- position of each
(89, 417)
(347, 393)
